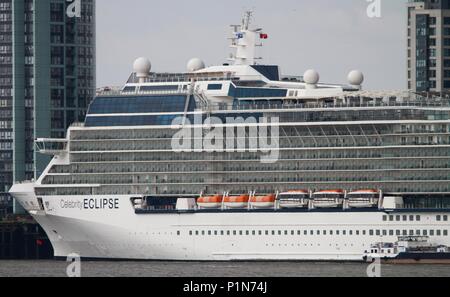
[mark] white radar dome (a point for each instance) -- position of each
(142, 67)
(311, 77)
(355, 78)
(195, 64)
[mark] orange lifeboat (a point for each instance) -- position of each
(294, 199)
(263, 201)
(329, 198)
(368, 198)
(236, 201)
(211, 202)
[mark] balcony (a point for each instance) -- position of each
(52, 147)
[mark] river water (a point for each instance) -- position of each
(212, 269)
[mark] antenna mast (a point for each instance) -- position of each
(245, 40)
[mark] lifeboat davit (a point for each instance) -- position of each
(210, 202)
(236, 201)
(263, 201)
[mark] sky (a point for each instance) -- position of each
(330, 36)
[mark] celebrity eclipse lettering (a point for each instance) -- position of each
(91, 204)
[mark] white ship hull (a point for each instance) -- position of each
(113, 230)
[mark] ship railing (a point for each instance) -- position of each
(269, 105)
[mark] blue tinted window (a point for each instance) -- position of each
(215, 87)
(129, 89)
(115, 121)
(158, 88)
(257, 92)
(140, 104)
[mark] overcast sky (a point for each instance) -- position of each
(332, 37)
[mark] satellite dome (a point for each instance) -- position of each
(355, 78)
(195, 64)
(311, 77)
(142, 67)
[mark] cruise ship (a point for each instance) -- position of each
(238, 162)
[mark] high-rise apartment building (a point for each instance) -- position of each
(429, 46)
(47, 79)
